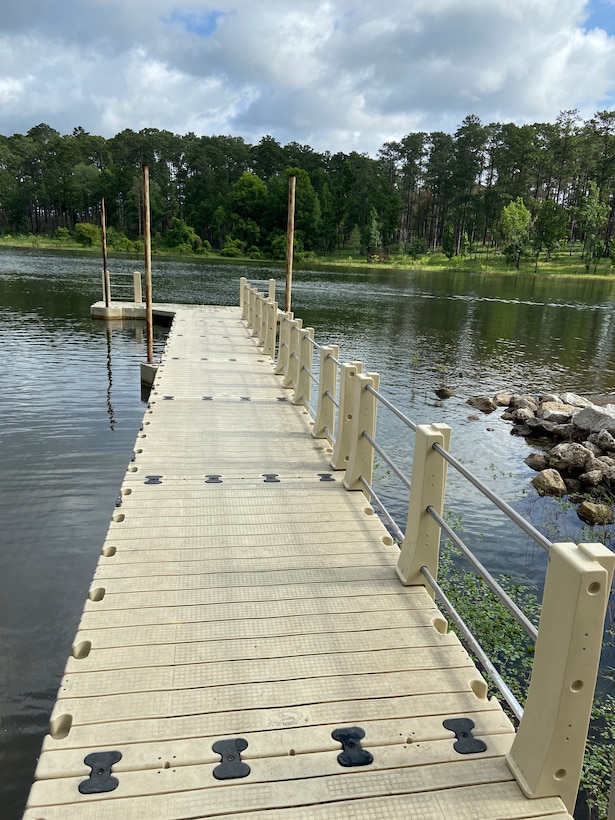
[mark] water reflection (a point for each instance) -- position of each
(72, 404)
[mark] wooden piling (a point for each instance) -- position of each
(290, 235)
(149, 321)
(106, 277)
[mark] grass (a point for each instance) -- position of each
(483, 260)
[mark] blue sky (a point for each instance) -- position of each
(334, 74)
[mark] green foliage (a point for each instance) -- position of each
(449, 247)
(62, 234)
(87, 235)
(232, 247)
(515, 223)
(507, 645)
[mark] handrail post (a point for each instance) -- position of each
(361, 456)
(136, 278)
(271, 291)
(252, 310)
(546, 756)
(262, 328)
(271, 324)
(281, 368)
(294, 344)
(306, 355)
(243, 303)
(327, 387)
(421, 544)
(258, 314)
(345, 415)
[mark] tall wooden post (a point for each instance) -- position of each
(147, 243)
(290, 235)
(103, 231)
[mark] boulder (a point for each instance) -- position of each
(604, 440)
(575, 400)
(540, 426)
(537, 461)
(482, 403)
(502, 399)
(549, 397)
(527, 402)
(570, 457)
(549, 482)
(595, 513)
(444, 392)
(595, 419)
(522, 414)
(555, 411)
(591, 478)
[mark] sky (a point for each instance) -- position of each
(338, 75)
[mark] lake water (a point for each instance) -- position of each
(72, 405)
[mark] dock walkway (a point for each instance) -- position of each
(246, 622)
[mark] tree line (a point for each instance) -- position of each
(496, 185)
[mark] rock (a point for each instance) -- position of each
(574, 487)
(527, 402)
(473, 418)
(595, 513)
(521, 430)
(444, 392)
(482, 403)
(549, 397)
(537, 461)
(593, 448)
(540, 426)
(502, 399)
(607, 461)
(609, 476)
(591, 478)
(507, 416)
(595, 419)
(565, 431)
(604, 440)
(549, 482)
(522, 414)
(575, 400)
(555, 411)
(570, 457)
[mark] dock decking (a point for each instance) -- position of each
(242, 592)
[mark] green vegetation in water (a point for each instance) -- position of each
(512, 652)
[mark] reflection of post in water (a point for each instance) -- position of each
(110, 380)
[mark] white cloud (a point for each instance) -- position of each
(336, 74)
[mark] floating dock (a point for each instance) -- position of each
(247, 648)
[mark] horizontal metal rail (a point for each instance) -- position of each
(387, 460)
(524, 525)
(493, 585)
(474, 645)
(333, 399)
(397, 532)
(391, 407)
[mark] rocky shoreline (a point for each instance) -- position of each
(576, 437)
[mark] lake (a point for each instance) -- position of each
(72, 405)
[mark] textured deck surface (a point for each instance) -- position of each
(243, 593)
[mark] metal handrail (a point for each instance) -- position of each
(408, 422)
(524, 525)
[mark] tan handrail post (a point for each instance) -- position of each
(281, 368)
(345, 415)
(271, 323)
(261, 320)
(421, 544)
(324, 422)
(306, 355)
(271, 291)
(252, 310)
(294, 344)
(258, 301)
(361, 457)
(243, 285)
(547, 753)
(136, 278)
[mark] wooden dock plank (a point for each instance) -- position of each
(262, 604)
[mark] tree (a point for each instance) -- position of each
(515, 223)
(550, 227)
(594, 214)
(372, 239)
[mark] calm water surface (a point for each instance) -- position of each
(72, 404)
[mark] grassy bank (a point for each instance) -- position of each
(564, 263)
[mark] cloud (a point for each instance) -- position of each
(335, 74)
